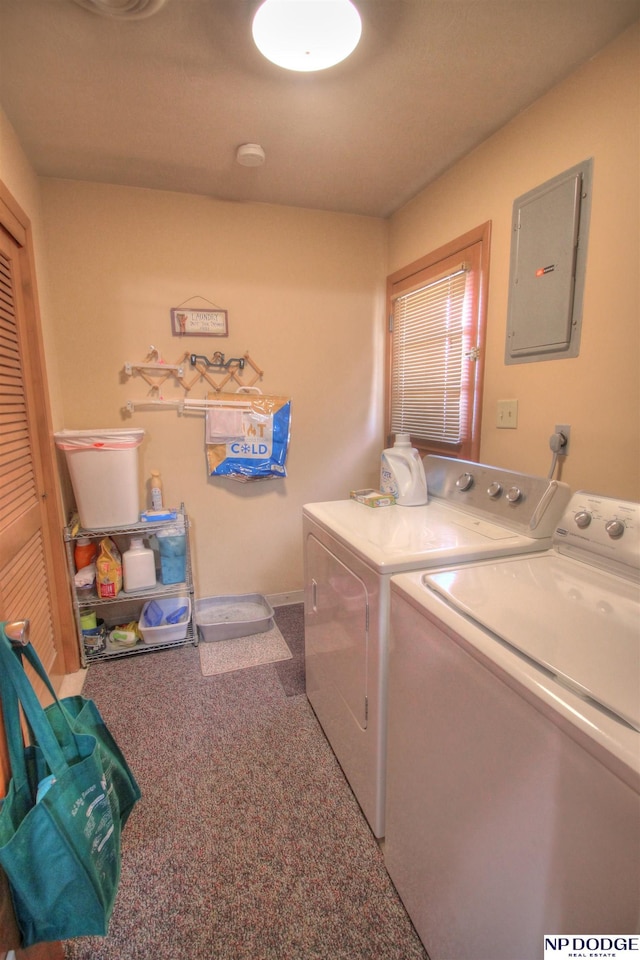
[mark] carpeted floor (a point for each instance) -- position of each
(248, 842)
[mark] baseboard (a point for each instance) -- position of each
(286, 599)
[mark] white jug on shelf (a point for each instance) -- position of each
(138, 567)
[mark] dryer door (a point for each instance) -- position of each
(335, 642)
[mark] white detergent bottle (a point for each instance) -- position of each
(402, 473)
(138, 567)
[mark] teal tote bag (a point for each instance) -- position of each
(84, 717)
(60, 822)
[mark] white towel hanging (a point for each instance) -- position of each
(225, 423)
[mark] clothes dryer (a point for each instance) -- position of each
(351, 551)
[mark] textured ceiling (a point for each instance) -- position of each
(164, 102)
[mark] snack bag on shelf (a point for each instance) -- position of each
(108, 570)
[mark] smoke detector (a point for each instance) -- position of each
(250, 155)
(123, 9)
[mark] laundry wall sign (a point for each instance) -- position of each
(199, 323)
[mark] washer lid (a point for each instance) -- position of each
(577, 622)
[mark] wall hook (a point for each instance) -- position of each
(217, 361)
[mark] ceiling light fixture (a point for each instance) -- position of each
(123, 9)
(306, 35)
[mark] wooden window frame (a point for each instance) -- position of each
(473, 248)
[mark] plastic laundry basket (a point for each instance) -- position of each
(103, 466)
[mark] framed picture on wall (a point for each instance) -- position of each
(199, 323)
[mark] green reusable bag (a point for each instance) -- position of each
(84, 717)
(60, 823)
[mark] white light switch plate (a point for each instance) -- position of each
(507, 417)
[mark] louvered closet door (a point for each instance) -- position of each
(24, 581)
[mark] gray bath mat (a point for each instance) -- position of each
(224, 656)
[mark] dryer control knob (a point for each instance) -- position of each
(514, 494)
(582, 519)
(464, 481)
(494, 489)
(615, 528)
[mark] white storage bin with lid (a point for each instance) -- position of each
(104, 471)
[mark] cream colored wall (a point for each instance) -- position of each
(594, 113)
(304, 291)
(20, 179)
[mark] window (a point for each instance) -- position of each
(435, 348)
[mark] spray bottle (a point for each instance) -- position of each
(402, 473)
(156, 490)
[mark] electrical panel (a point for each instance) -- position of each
(550, 229)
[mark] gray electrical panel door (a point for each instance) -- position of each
(548, 256)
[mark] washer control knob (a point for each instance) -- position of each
(464, 481)
(582, 519)
(514, 494)
(615, 528)
(494, 489)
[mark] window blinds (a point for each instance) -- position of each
(430, 371)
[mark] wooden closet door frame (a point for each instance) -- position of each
(16, 223)
(18, 226)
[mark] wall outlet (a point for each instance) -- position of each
(507, 418)
(565, 430)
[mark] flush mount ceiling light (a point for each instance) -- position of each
(123, 9)
(306, 35)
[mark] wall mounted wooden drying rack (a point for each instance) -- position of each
(238, 372)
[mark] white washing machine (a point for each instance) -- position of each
(513, 807)
(351, 551)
